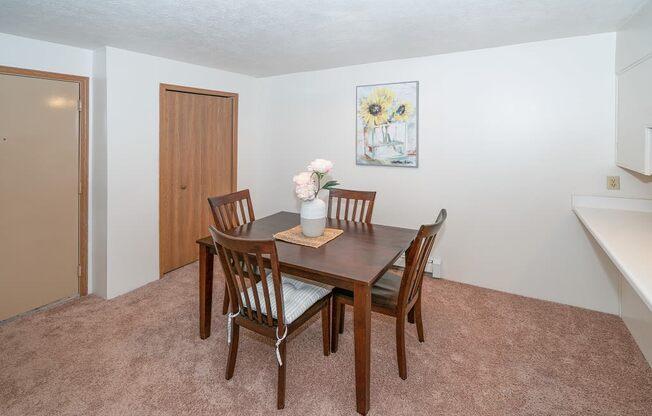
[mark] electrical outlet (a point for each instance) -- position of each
(613, 183)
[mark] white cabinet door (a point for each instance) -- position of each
(635, 118)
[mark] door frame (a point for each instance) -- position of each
(82, 272)
(163, 88)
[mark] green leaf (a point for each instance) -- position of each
(330, 184)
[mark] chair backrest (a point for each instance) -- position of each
(345, 203)
(238, 257)
(229, 211)
(416, 260)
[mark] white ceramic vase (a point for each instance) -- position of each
(313, 217)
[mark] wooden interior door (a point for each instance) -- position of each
(39, 184)
(196, 161)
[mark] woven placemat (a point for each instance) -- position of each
(295, 236)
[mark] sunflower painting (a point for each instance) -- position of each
(387, 124)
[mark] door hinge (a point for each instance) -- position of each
(79, 105)
(79, 270)
(79, 188)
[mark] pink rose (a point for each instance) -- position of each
(322, 166)
(304, 178)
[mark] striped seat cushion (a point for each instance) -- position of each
(298, 296)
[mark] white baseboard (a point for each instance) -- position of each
(433, 267)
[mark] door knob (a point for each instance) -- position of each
(183, 186)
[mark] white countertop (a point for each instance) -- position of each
(623, 228)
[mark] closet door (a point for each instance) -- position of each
(196, 160)
(216, 157)
(39, 177)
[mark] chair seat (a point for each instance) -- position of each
(298, 297)
(384, 292)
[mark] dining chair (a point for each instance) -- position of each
(339, 201)
(397, 296)
(345, 203)
(229, 212)
(274, 306)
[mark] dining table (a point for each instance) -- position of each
(353, 261)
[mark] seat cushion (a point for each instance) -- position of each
(298, 297)
(384, 292)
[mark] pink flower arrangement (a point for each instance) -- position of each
(308, 184)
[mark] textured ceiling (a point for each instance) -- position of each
(268, 37)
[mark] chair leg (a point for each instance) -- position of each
(411, 315)
(400, 346)
(233, 351)
(225, 301)
(335, 331)
(417, 315)
(326, 328)
(280, 389)
(342, 312)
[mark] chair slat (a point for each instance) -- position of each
(252, 282)
(234, 213)
(232, 220)
(420, 264)
(278, 291)
(330, 206)
(219, 220)
(226, 219)
(370, 210)
(263, 279)
(244, 286)
(242, 212)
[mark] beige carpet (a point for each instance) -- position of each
(486, 353)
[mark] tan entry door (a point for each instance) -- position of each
(39, 208)
(196, 161)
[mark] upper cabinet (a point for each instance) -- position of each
(634, 75)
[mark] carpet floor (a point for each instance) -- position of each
(486, 353)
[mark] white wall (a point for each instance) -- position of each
(133, 81)
(506, 136)
(27, 53)
(98, 274)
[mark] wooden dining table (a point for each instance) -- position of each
(352, 261)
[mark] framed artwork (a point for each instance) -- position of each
(387, 124)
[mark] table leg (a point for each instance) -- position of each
(362, 336)
(205, 291)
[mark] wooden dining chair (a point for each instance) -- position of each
(345, 203)
(274, 306)
(397, 296)
(229, 212)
